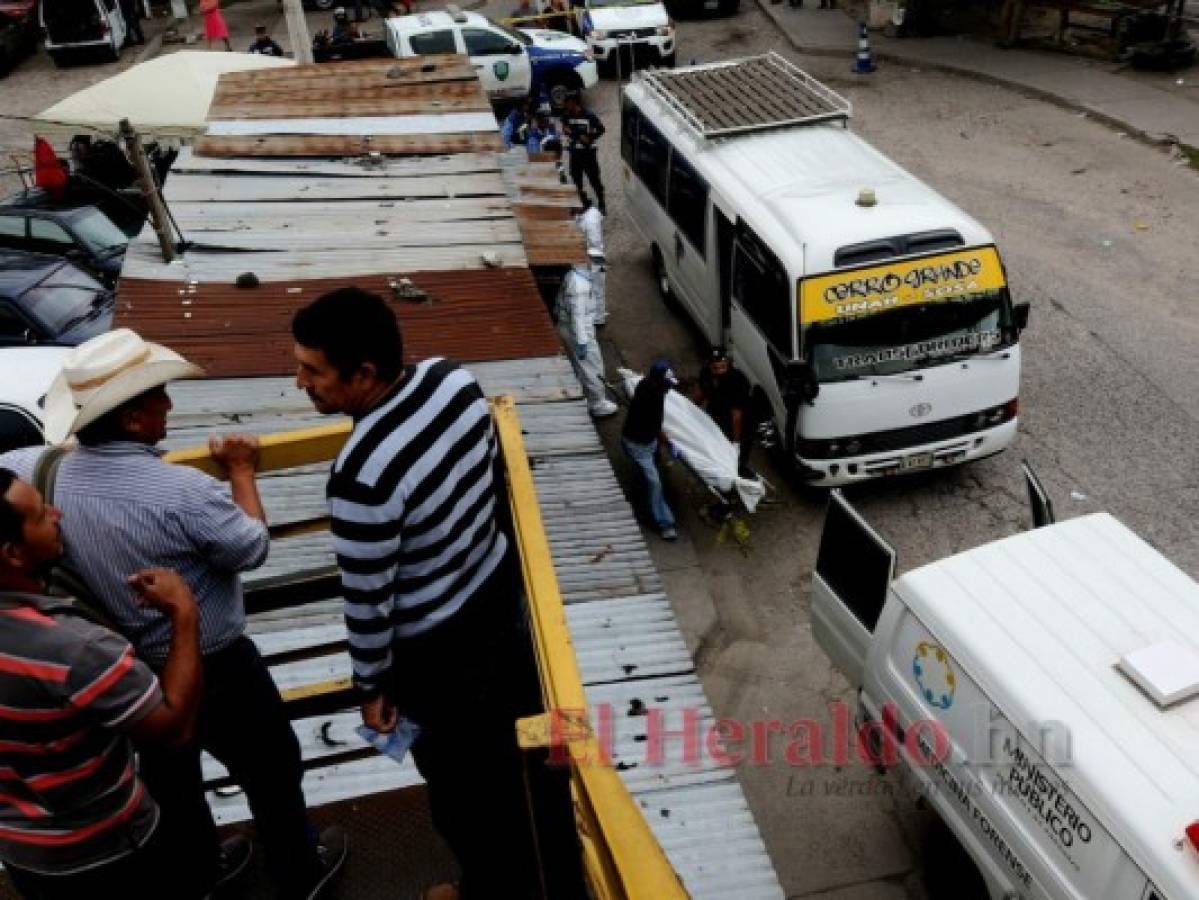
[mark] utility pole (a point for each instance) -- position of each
(149, 188)
(297, 32)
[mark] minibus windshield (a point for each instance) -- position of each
(909, 337)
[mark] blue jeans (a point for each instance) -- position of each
(643, 455)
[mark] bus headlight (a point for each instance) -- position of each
(598, 35)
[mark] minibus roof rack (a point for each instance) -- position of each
(739, 96)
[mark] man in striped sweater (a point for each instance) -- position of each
(431, 598)
(75, 819)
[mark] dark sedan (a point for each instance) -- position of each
(83, 234)
(45, 299)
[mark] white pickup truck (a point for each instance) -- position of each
(1039, 692)
(623, 34)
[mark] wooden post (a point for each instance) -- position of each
(149, 188)
(297, 32)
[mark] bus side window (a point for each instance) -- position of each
(629, 117)
(689, 202)
(653, 157)
(760, 287)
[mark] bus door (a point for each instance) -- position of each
(761, 314)
(692, 261)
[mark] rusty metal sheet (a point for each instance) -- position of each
(380, 167)
(489, 314)
(556, 242)
(323, 91)
(348, 145)
(201, 188)
(415, 70)
(287, 108)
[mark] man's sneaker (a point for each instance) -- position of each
(232, 859)
(331, 850)
(669, 534)
(604, 408)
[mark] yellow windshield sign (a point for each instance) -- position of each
(932, 279)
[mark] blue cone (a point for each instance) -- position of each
(864, 64)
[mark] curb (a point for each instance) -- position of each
(1153, 140)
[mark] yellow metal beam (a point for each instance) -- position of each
(622, 856)
(316, 689)
(282, 450)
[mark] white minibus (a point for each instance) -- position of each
(871, 314)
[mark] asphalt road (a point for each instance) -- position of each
(1098, 234)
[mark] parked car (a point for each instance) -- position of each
(45, 299)
(25, 376)
(76, 29)
(82, 233)
(512, 63)
(18, 31)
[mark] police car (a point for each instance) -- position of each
(511, 63)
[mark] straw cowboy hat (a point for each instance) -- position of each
(101, 374)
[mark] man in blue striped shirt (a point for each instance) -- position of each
(126, 509)
(431, 598)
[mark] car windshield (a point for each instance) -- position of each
(911, 337)
(98, 232)
(514, 34)
(59, 306)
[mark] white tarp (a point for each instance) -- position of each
(165, 97)
(704, 448)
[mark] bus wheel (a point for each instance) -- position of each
(661, 278)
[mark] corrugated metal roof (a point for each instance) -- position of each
(630, 651)
(231, 331)
(440, 237)
(290, 145)
(450, 301)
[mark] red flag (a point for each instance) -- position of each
(48, 171)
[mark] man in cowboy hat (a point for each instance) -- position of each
(125, 509)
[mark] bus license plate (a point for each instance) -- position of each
(711, 4)
(918, 461)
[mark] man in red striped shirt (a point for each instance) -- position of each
(75, 820)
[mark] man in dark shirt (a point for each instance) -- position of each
(263, 44)
(77, 820)
(723, 392)
(641, 435)
(582, 129)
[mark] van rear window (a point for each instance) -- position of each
(900, 245)
(854, 561)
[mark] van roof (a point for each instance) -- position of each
(797, 186)
(1039, 621)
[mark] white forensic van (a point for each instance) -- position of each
(870, 313)
(1035, 689)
